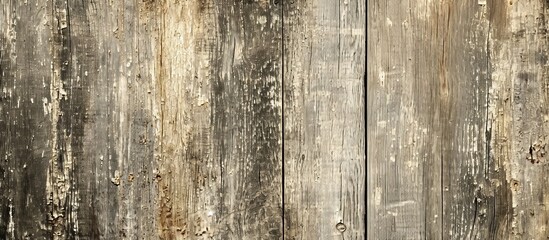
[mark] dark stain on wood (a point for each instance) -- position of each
(21, 127)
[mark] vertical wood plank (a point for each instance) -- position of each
(188, 176)
(408, 102)
(247, 119)
(87, 71)
(433, 173)
(519, 115)
(99, 186)
(25, 127)
(476, 95)
(475, 193)
(218, 117)
(324, 57)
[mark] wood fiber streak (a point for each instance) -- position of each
(324, 71)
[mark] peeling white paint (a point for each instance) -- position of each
(400, 204)
(389, 22)
(46, 106)
(11, 224)
(377, 196)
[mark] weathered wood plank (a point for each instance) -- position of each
(519, 113)
(407, 102)
(324, 142)
(247, 118)
(106, 181)
(431, 146)
(218, 113)
(77, 73)
(25, 127)
(462, 85)
(475, 193)
(188, 176)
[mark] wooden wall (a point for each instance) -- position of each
(172, 119)
(458, 111)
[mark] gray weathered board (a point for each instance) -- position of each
(458, 119)
(182, 119)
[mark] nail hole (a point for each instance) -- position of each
(341, 227)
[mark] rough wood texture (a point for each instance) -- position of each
(25, 125)
(157, 119)
(324, 119)
(457, 137)
(405, 96)
(218, 109)
(520, 116)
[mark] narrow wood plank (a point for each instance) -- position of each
(25, 127)
(146, 119)
(247, 121)
(188, 176)
(408, 108)
(519, 113)
(324, 142)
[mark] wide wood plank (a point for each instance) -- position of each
(92, 169)
(218, 120)
(458, 149)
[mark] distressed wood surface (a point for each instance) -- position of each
(405, 97)
(151, 119)
(218, 112)
(25, 125)
(457, 137)
(324, 164)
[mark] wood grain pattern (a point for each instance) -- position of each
(248, 118)
(219, 111)
(324, 120)
(458, 149)
(157, 119)
(520, 115)
(25, 126)
(404, 97)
